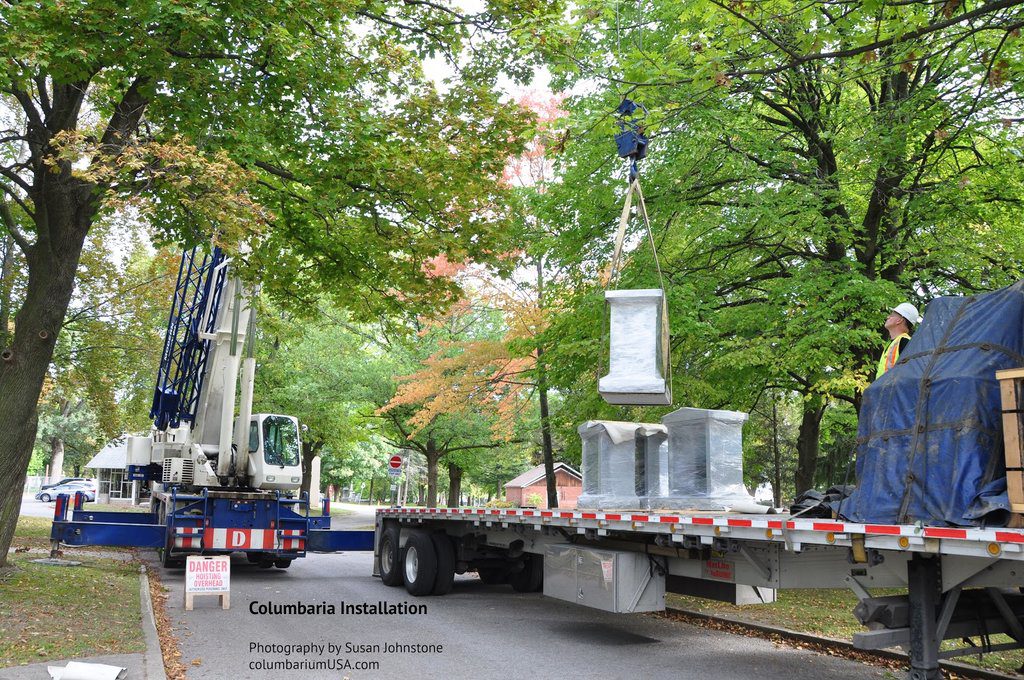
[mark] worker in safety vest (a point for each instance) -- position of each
(903, 317)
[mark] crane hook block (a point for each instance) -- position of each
(631, 139)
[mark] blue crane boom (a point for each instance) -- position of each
(197, 297)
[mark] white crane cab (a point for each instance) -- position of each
(275, 452)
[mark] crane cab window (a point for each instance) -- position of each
(280, 441)
(254, 437)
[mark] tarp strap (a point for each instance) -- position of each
(988, 346)
(921, 413)
(615, 271)
(970, 422)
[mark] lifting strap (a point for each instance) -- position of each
(615, 271)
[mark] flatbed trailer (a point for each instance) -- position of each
(958, 582)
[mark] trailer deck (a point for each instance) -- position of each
(959, 582)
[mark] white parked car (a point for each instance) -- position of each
(85, 487)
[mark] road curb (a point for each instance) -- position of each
(153, 658)
(844, 645)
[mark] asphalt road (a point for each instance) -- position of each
(30, 507)
(483, 632)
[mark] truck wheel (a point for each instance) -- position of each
(420, 569)
(390, 557)
(169, 560)
(445, 552)
(493, 576)
(531, 578)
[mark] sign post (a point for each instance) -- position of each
(394, 471)
(208, 575)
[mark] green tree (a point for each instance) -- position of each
(811, 164)
(306, 127)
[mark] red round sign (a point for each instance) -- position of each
(395, 462)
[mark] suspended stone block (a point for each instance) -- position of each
(609, 464)
(705, 459)
(636, 357)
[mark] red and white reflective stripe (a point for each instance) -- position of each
(298, 543)
(1007, 536)
(240, 539)
(188, 537)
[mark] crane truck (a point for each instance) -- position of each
(222, 482)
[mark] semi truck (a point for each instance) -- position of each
(222, 481)
(928, 518)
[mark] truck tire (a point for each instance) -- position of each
(420, 564)
(390, 557)
(531, 578)
(168, 560)
(445, 552)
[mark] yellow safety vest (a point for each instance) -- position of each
(891, 355)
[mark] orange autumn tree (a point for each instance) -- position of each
(500, 375)
(472, 381)
(482, 373)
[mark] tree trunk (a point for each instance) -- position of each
(6, 287)
(542, 392)
(433, 456)
(807, 443)
(310, 447)
(52, 263)
(57, 458)
(776, 459)
(454, 485)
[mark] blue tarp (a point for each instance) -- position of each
(929, 442)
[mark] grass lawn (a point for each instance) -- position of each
(50, 613)
(828, 613)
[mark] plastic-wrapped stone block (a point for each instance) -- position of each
(635, 354)
(651, 463)
(705, 459)
(609, 464)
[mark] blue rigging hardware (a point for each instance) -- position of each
(631, 139)
(180, 378)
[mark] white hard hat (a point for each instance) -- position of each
(908, 312)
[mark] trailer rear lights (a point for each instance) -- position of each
(994, 549)
(830, 538)
(271, 478)
(769, 534)
(904, 542)
(295, 480)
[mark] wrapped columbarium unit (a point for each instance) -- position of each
(638, 349)
(624, 465)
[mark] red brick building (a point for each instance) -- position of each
(521, 490)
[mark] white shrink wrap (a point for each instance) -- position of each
(609, 464)
(705, 459)
(636, 352)
(651, 464)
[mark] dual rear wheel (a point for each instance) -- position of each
(425, 565)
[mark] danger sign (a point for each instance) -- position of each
(208, 575)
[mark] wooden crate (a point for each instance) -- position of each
(1011, 389)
